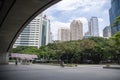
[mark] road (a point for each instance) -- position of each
(47, 72)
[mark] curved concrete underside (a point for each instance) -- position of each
(15, 15)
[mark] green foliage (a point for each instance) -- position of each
(95, 49)
(25, 50)
(116, 42)
(116, 38)
(116, 22)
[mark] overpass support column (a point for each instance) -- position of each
(4, 58)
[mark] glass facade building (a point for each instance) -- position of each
(45, 31)
(114, 12)
(45, 36)
(107, 32)
(93, 27)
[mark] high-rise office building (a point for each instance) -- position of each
(76, 30)
(93, 27)
(64, 34)
(114, 12)
(107, 32)
(45, 39)
(36, 33)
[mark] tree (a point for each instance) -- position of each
(95, 49)
(116, 22)
(25, 50)
(116, 45)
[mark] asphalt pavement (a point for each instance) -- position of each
(48, 72)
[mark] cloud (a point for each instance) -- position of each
(86, 5)
(76, 8)
(83, 5)
(62, 13)
(101, 26)
(67, 5)
(100, 20)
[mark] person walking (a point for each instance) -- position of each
(16, 61)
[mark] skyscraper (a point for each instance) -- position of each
(93, 26)
(33, 33)
(114, 12)
(64, 34)
(76, 30)
(45, 31)
(107, 32)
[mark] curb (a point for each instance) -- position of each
(111, 67)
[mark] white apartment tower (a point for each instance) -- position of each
(34, 33)
(63, 34)
(76, 29)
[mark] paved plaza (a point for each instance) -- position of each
(47, 72)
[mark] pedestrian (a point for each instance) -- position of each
(16, 61)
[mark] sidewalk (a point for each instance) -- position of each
(20, 67)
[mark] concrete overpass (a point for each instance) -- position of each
(14, 16)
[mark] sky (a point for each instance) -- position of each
(65, 11)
